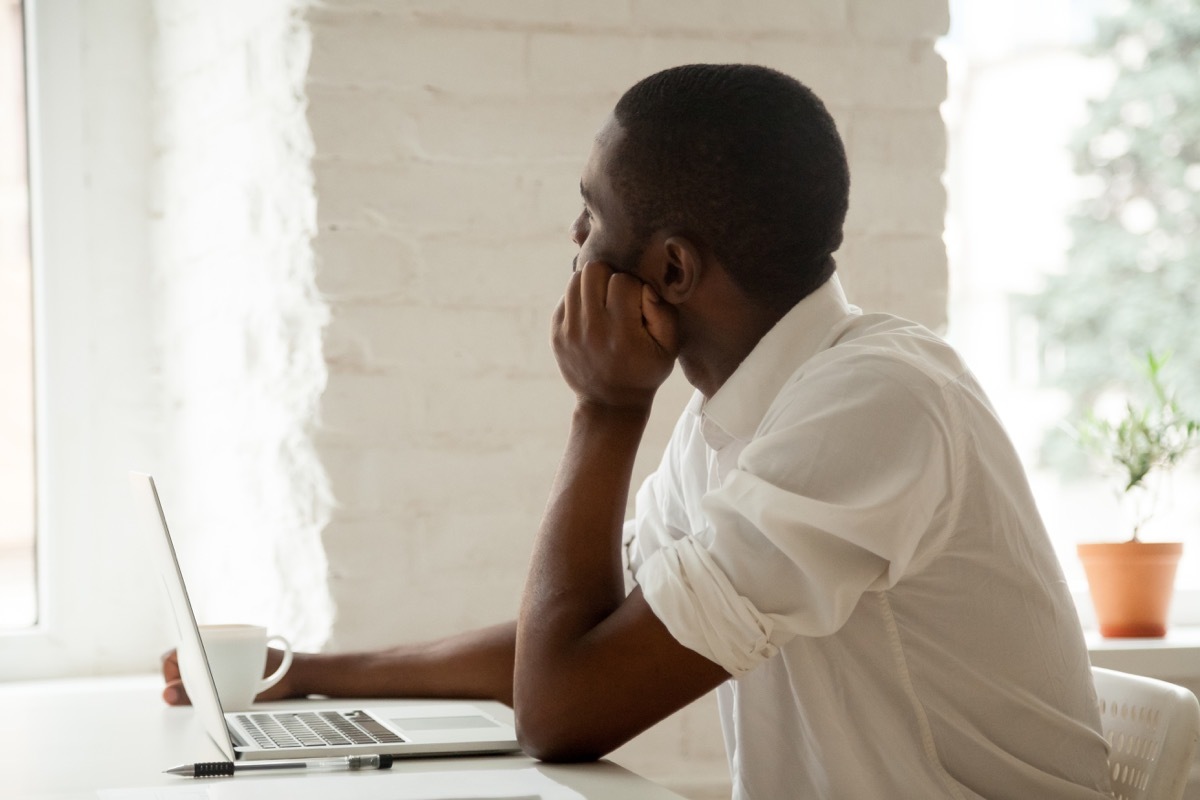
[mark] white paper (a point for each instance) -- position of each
(196, 792)
(494, 784)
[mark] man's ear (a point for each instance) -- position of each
(673, 266)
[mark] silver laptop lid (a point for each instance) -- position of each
(193, 662)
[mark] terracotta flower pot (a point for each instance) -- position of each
(1131, 585)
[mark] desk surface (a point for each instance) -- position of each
(116, 733)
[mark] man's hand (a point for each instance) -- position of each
(614, 338)
(476, 664)
(176, 695)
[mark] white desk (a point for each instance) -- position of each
(133, 736)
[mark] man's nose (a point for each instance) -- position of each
(578, 231)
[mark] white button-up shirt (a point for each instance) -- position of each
(845, 527)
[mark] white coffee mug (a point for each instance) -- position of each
(237, 656)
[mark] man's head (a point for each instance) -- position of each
(742, 161)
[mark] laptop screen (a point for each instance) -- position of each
(193, 663)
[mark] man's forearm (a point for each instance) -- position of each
(575, 577)
(477, 664)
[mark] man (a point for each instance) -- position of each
(839, 537)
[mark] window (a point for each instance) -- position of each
(109, 264)
(1020, 85)
(87, 124)
(18, 604)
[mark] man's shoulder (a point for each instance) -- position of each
(884, 349)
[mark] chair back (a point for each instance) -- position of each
(1152, 728)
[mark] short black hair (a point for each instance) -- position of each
(746, 161)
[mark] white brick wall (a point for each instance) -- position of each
(448, 141)
(239, 319)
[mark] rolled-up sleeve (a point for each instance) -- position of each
(703, 610)
(835, 496)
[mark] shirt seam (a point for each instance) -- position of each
(952, 400)
(910, 691)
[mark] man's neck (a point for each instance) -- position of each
(714, 348)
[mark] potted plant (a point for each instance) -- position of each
(1131, 582)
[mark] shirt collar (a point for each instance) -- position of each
(738, 407)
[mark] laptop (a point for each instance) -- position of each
(314, 729)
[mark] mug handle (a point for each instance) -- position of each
(276, 676)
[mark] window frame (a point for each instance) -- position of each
(99, 605)
(52, 89)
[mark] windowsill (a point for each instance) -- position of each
(1175, 657)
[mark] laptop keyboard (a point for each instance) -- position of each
(286, 729)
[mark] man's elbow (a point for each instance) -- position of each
(558, 736)
(558, 752)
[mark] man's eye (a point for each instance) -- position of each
(586, 213)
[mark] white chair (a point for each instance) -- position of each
(1152, 728)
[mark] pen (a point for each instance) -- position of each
(218, 769)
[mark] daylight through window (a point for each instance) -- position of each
(1074, 186)
(18, 605)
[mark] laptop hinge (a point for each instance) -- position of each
(238, 741)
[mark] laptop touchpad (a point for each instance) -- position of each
(444, 723)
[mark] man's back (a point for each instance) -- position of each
(894, 614)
